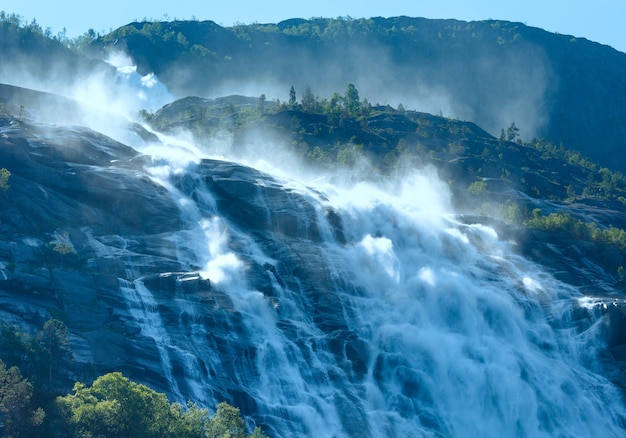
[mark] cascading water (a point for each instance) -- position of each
(363, 311)
(334, 310)
(143, 308)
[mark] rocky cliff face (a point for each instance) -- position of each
(350, 311)
(71, 185)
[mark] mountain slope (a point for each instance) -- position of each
(565, 89)
(211, 280)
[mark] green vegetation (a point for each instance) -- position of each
(566, 223)
(35, 369)
(114, 406)
(547, 167)
(62, 248)
(227, 422)
(346, 105)
(62, 244)
(55, 341)
(586, 179)
(18, 416)
(4, 180)
(352, 104)
(43, 359)
(343, 129)
(292, 98)
(145, 115)
(477, 187)
(511, 134)
(35, 34)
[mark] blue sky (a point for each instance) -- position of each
(599, 20)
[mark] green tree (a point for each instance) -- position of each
(309, 103)
(608, 180)
(292, 97)
(12, 345)
(4, 179)
(114, 406)
(146, 116)
(20, 349)
(262, 103)
(511, 213)
(226, 422)
(62, 245)
(477, 187)
(349, 154)
(334, 105)
(188, 423)
(81, 43)
(17, 413)
(56, 343)
(351, 100)
(316, 155)
(512, 132)
(258, 433)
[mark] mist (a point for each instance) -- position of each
(344, 302)
(104, 95)
(490, 87)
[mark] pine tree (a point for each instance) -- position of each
(292, 97)
(18, 417)
(351, 100)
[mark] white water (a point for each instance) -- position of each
(457, 335)
(143, 308)
(462, 332)
(462, 337)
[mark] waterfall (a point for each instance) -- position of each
(464, 336)
(144, 310)
(366, 310)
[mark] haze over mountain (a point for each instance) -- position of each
(492, 73)
(385, 250)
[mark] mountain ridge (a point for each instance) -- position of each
(546, 83)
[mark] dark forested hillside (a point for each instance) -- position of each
(560, 87)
